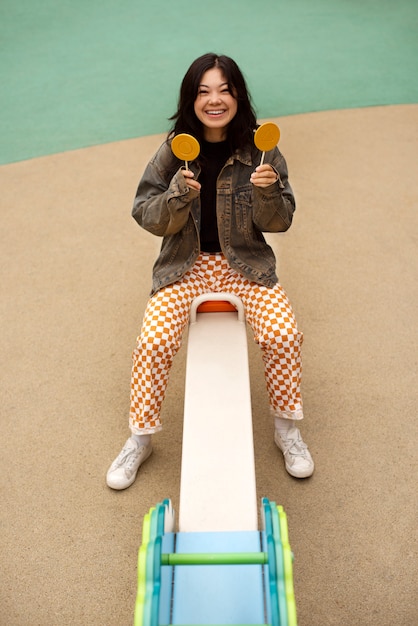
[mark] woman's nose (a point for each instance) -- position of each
(214, 98)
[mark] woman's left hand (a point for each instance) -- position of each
(263, 176)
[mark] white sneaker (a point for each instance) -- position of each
(298, 460)
(123, 471)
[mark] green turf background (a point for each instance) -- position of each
(84, 72)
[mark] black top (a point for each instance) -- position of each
(213, 158)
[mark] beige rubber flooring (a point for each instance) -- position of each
(75, 280)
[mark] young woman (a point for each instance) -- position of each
(211, 218)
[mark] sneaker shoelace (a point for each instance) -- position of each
(127, 456)
(295, 447)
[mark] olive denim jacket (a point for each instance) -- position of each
(165, 206)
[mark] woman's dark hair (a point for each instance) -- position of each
(242, 126)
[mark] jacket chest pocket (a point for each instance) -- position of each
(242, 203)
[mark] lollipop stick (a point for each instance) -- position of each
(187, 165)
(262, 158)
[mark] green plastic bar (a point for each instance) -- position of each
(215, 558)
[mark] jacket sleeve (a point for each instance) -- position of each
(273, 206)
(162, 207)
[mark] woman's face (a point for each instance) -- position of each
(215, 106)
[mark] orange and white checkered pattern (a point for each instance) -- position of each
(267, 310)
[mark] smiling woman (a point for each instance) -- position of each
(211, 218)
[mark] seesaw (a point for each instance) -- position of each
(217, 567)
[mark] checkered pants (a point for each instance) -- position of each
(267, 311)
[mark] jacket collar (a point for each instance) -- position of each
(244, 156)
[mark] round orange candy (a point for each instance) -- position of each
(267, 136)
(185, 147)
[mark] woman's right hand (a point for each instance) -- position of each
(189, 178)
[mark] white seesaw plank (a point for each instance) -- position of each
(218, 487)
